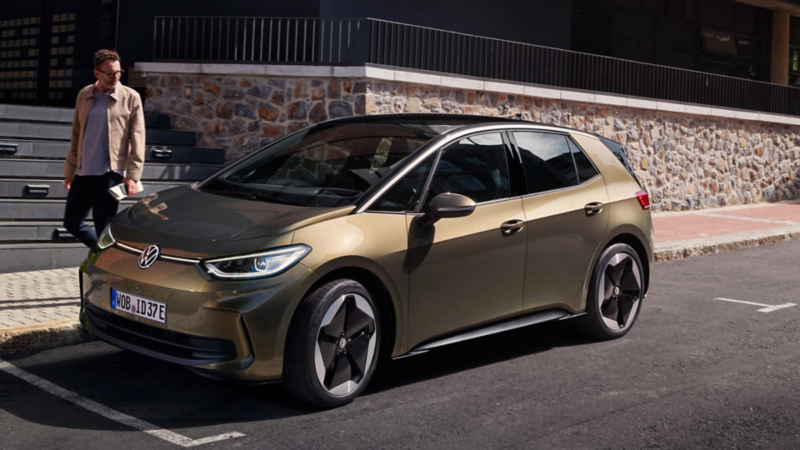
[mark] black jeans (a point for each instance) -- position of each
(90, 192)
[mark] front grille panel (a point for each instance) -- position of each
(157, 342)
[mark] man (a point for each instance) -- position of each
(106, 149)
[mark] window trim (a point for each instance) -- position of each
(445, 139)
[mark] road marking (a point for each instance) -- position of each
(109, 413)
(764, 309)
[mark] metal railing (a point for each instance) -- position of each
(257, 39)
(372, 41)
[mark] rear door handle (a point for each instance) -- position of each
(511, 227)
(593, 208)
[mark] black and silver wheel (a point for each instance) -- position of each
(332, 347)
(615, 293)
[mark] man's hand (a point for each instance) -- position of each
(131, 185)
(68, 182)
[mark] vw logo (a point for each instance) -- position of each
(149, 256)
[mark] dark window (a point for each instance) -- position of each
(617, 150)
(547, 161)
(585, 168)
(405, 194)
(475, 167)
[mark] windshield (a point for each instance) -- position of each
(325, 166)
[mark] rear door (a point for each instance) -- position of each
(566, 216)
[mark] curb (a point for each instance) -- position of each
(41, 336)
(674, 253)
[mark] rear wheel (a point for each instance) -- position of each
(615, 293)
(332, 346)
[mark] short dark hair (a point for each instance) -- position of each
(101, 56)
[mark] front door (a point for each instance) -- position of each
(467, 271)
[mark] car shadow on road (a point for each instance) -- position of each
(171, 397)
(475, 353)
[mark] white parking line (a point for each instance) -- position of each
(764, 309)
(109, 413)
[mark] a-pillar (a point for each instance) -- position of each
(780, 47)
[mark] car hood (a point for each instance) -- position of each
(188, 213)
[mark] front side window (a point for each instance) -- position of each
(475, 167)
(547, 161)
(322, 166)
(405, 194)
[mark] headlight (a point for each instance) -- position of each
(106, 239)
(257, 265)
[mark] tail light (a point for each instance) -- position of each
(644, 199)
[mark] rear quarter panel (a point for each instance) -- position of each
(626, 215)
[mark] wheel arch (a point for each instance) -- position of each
(635, 243)
(380, 286)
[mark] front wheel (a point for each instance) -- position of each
(615, 293)
(332, 346)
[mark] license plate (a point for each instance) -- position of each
(138, 306)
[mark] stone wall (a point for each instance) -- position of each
(686, 161)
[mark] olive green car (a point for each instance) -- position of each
(370, 237)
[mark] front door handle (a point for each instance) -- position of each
(593, 208)
(511, 227)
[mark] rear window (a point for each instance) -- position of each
(617, 150)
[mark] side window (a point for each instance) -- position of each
(476, 167)
(585, 168)
(547, 161)
(405, 194)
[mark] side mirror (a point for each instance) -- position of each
(445, 206)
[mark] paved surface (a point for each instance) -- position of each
(45, 301)
(38, 297)
(693, 373)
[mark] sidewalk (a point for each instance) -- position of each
(40, 309)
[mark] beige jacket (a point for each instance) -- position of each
(125, 131)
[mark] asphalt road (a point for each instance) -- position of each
(693, 373)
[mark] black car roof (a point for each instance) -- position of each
(434, 119)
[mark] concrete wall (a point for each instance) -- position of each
(687, 160)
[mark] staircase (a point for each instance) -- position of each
(34, 142)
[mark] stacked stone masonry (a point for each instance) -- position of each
(685, 161)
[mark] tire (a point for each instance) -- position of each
(333, 344)
(615, 294)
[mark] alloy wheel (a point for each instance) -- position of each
(345, 344)
(620, 290)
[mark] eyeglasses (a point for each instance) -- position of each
(118, 73)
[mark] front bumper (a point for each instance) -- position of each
(232, 330)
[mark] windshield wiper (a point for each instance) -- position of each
(266, 198)
(256, 195)
(238, 194)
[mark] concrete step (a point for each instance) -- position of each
(161, 153)
(45, 256)
(22, 113)
(32, 168)
(157, 121)
(54, 189)
(171, 137)
(50, 231)
(63, 132)
(30, 130)
(36, 114)
(37, 210)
